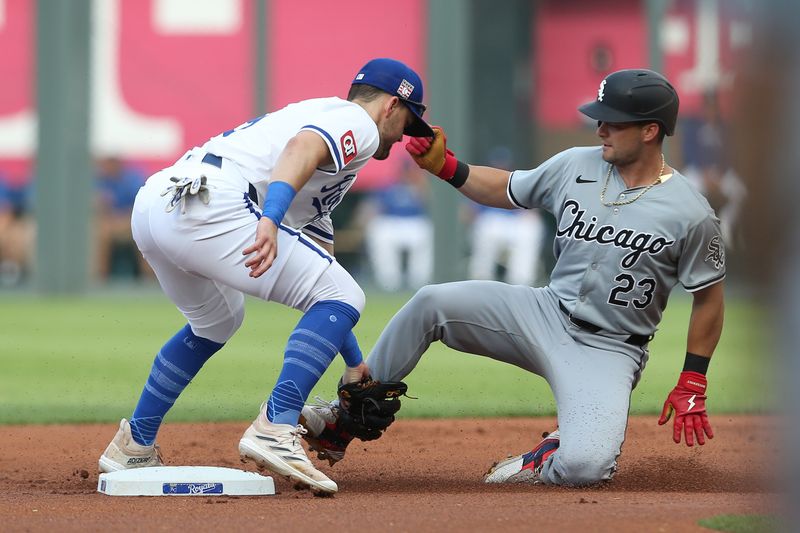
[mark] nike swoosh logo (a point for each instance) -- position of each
(579, 179)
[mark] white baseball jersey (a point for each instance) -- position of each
(352, 138)
(616, 265)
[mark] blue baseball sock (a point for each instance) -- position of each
(351, 351)
(178, 362)
(313, 344)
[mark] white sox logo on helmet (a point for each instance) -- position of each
(600, 93)
(349, 148)
(405, 89)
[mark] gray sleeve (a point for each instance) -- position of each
(541, 186)
(702, 262)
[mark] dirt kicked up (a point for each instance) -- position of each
(423, 475)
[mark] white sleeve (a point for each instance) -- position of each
(321, 229)
(351, 135)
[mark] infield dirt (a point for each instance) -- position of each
(423, 475)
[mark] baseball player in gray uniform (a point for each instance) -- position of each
(249, 213)
(629, 228)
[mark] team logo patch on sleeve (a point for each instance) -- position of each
(349, 149)
(716, 253)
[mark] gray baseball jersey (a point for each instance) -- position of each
(616, 265)
(615, 268)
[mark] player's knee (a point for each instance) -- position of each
(337, 284)
(352, 294)
(356, 297)
(236, 321)
(582, 468)
(430, 297)
(438, 302)
(219, 327)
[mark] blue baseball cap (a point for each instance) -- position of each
(396, 78)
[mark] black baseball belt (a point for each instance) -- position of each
(216, 161)
(635, 340)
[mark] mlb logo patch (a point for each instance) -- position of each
(405, 89)
(349, 148)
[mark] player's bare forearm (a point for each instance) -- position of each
(487, 186)
(688, 399)
(705, 324)
(302, 155)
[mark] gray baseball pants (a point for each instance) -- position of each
(591, 375)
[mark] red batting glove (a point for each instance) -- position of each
(688, 400)
(431, 154)
(418, 145)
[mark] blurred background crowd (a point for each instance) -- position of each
(148, 104)
(384, 233)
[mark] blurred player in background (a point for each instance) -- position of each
(706, 154)
(249, 213)
(397, 226)
(17, 229)
(116, 186)
(512, 237)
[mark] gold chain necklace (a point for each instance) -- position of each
(626, 202)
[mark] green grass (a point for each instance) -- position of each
(743, 523)
(86, 358)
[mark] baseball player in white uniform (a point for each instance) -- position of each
(629, 228)
(249, 213)
(515, 234)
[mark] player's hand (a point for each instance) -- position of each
(264, 250)
(688, 401)
(431, 154)
(356, 373)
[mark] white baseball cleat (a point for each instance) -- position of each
(527, 467)
(277, 448)
(124, 453)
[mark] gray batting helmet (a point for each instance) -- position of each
(635, 95)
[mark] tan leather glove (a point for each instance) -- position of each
(432, 154)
